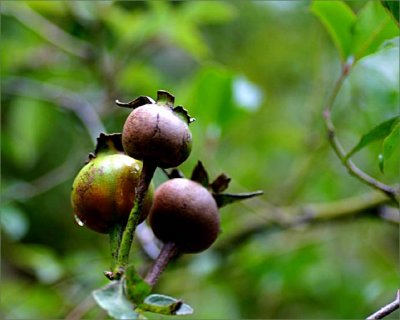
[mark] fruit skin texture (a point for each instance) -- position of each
(154, 132)
(185, 213)
(103, 192)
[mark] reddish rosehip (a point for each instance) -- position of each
(103, 192)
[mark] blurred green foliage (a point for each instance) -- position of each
(255, 75)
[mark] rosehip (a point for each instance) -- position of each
(185, 213)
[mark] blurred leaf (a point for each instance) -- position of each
(20, 299)
(162, 304)
(393, 7)
(372, 28)
(390, 143)
(29, 121)
(133, 28)
(338, 19)
(136, 288)
(200, 175)
(246, 94)
(13, 222)
(112, 299)
(206, 12)
(381, 163)
(377, 133)
(56, 8)
(39, 259)
(210, 96)
(224, 199)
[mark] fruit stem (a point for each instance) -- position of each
(148, 170)
(168, 251)
(115, 242)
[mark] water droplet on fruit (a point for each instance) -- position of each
(78, 221)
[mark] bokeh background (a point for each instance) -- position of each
(255, 75)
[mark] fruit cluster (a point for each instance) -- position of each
(113, 191)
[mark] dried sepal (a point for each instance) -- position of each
(220, 184)
(165, 98)
(200, 175)
(173, 173)
(107, 144)
(184, 114)
(136, 103)
(223, 199)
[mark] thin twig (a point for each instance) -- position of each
(81, 309)
(28, 189)
(386, 310)
(62, 97)
(282, 218)
(390, 191)
(47, 30)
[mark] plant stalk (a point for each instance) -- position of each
(168, 251)
(115, 242)
(148, 170)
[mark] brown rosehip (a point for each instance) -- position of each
(158, 133)
(185, 213)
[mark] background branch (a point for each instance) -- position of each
(48, 30)
(84, 110)
(281, 218)
(386, 310)
(356, 172)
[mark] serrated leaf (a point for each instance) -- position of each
(162, 304)
(135, 287)
(390, 143)
(112, 299)
(221, 183)
(224, 199)
(372, 28)
(200, 175)
(377, 133)
(338, 19)
(393, 7)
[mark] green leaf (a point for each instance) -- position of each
(381, 162)
(39, 260)
(338, 19)
(206, 12)
(390, 143)
(393, 7)
(112, 299)
(212, 87)
(372, 28)
(28, 121)
(13, 222)
(200, 175)
(162, 304)
(223, 199)
(377, 133)
(135, 287)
